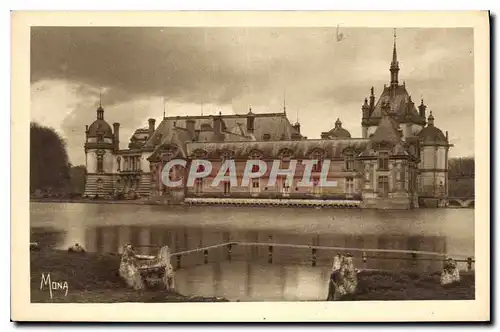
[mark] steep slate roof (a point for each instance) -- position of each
(387, 131)
(275, 124)
(400, 103)
(271, 149)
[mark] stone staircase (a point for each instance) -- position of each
(92, 187)
(144, 188)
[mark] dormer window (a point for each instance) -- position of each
(349, 161)
(100, 137)
(383, 161)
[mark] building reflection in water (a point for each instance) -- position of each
(248, 273)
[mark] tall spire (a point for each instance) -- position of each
(100, 110)
(394, 64)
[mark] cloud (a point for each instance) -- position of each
(231, 69)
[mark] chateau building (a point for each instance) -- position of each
(401, 160)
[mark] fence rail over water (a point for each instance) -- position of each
(362, 260)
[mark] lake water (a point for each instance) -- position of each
(259, 272)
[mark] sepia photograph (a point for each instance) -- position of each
(259, 163)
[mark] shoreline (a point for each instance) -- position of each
(93, 278)
(183, 204)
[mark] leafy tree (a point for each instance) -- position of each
(49, 167)
(461, 177)
(77, 176)
(461, 167)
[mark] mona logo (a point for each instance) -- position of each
(53, 285)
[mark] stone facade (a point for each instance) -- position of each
(400, 160)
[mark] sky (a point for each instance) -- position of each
(137, 73)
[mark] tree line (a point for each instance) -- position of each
(50, 170)
(461, 177)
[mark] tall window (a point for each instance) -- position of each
(100, 166)
(316, 189)
(100, 137)
(349, 161)
(383, 161)
(227, 187)
(349, 185)
(198, 186)
(383, 185)
(319, 161)
(255, 185)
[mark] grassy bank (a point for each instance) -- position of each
(93, 278)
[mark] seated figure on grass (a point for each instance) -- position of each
(343, 279)
(137, 272)
(450, 272)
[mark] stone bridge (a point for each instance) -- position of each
(463, 202)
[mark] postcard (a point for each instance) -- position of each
(250, 166)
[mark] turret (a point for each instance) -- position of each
(365, 109)
(430, 119)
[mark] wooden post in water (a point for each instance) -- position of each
(364, 260)
(469, 263)
(270, 255)
(414, 258)
(229, 248)
(205, 256)
(314, 257)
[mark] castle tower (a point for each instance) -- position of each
(100, 147)
(434, 148)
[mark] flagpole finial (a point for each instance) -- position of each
(164, 109)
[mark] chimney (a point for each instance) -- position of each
(151, 126)
(421, 109)
(116, 135)
(190, 126)
(250, 121)
(218, 124)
